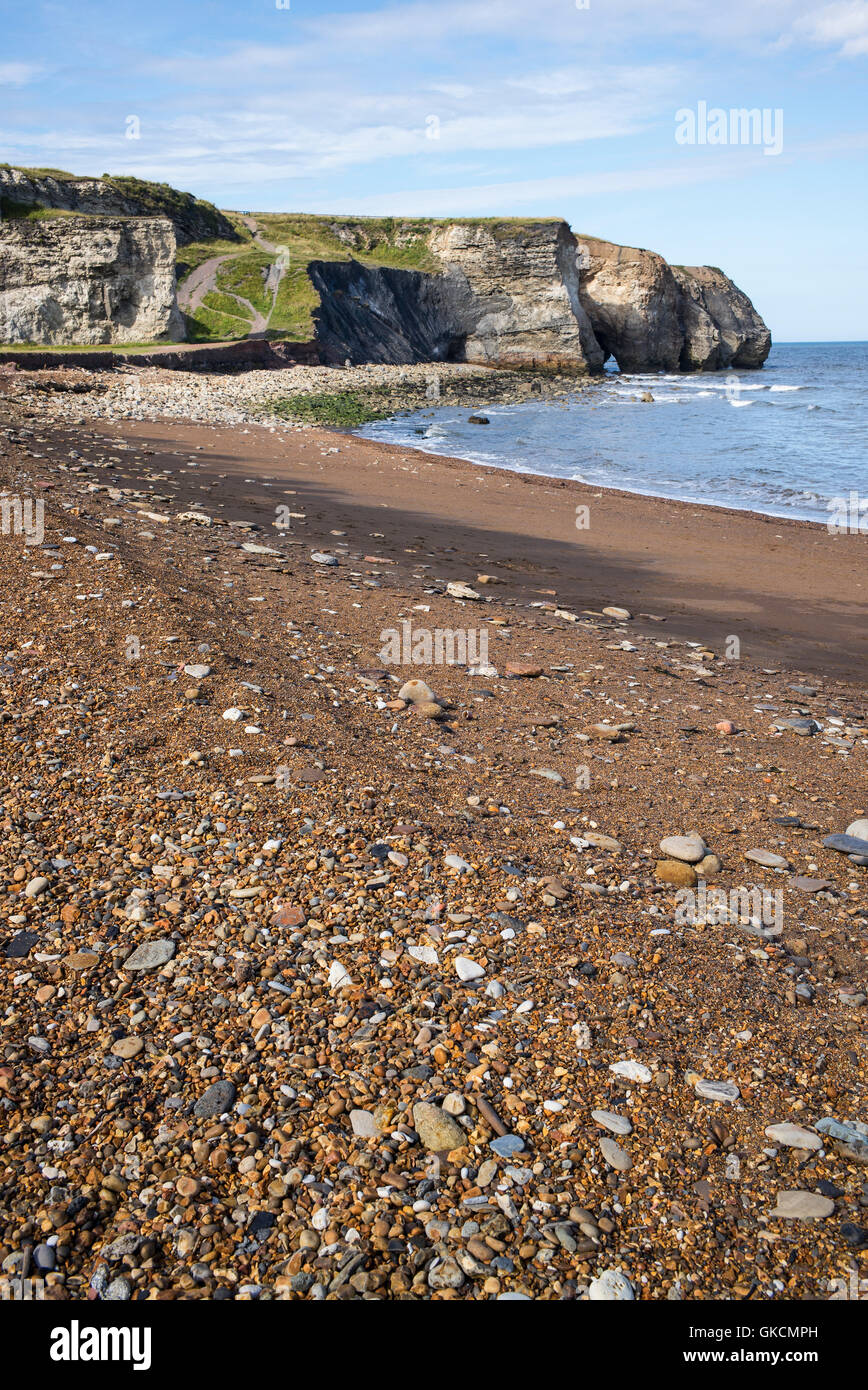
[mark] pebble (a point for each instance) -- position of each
(417, 692)
(849, 1132)
(599, 841)
(767, 859)
(618, 1124)
(717, 1090)
(507, 1145)
(612, 1286)
(468, 969)
(437, 1130)
(217, 1100)
(526, 669)
(614, 1155)
(455, 861)
(676, 872)
(364, 1124)
(687, 848)
(802, 1206)
(632, 1071)
(846, 844)
(150, 955)
(793, 1136)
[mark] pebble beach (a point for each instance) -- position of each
(326, 976)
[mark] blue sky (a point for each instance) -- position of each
(539, 107)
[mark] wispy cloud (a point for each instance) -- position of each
(19, 74)
(843, 25)
(499, 198)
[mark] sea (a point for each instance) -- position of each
(787, 440)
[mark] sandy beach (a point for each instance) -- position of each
(791, 593)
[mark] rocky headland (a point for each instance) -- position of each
(507, 293)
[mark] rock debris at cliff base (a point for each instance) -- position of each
(309, 993)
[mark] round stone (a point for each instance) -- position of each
(687, 848)
(128, 1047)
(416, 693)
(217, 1100)
(612, 1286)
(676, 872)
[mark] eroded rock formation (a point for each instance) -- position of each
(721, 326)
(507, 295)
(520, 285)
(651, 316)
(88, 280)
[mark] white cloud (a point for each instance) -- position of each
(19, 74)
(844, 24)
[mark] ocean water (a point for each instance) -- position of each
(784, 440)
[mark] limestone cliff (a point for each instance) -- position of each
(519, 283)
(651, 316)
(88, 280)
(506, 295)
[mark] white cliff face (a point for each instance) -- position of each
(72, 280)
(518, 285)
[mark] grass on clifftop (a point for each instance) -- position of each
(30, 212)
(319, 408)
(398, 242)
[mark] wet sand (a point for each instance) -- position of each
(791, 593)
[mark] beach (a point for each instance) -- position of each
(313, 990)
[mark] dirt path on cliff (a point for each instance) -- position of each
(203, 280)
(200, 282)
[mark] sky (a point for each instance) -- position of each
(591, 110)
